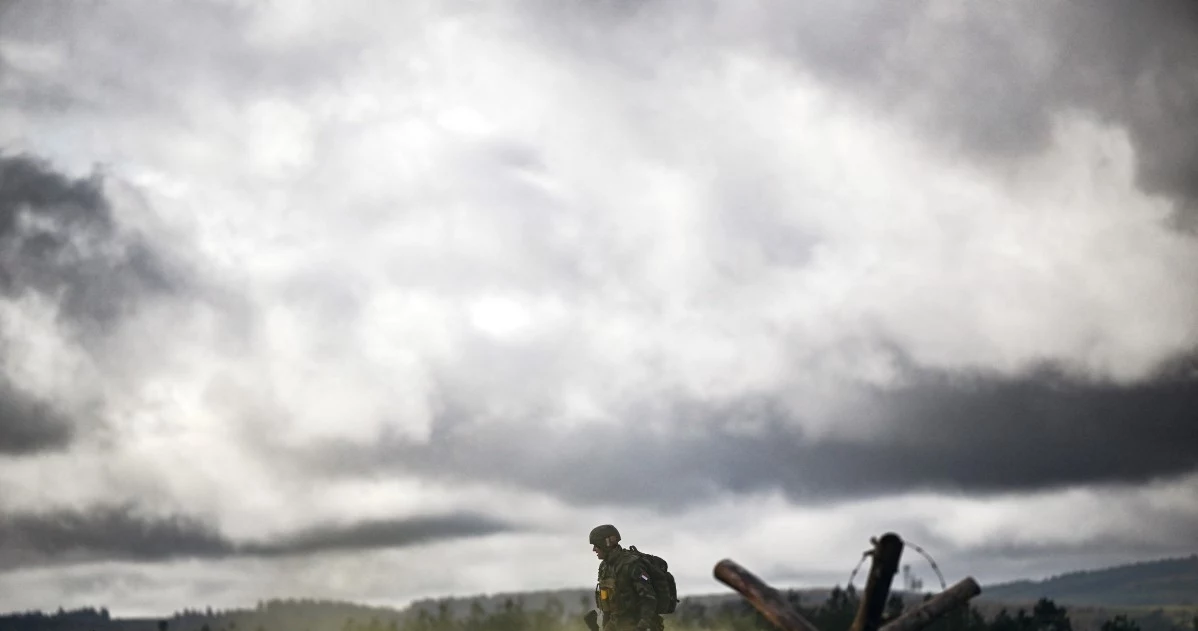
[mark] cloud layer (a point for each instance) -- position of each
(974, 435)
(121, 533)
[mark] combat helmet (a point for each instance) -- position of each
(600, 534)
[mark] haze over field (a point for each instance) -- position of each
(379, 301)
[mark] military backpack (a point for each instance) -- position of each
(664, 587)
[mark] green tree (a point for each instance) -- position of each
(1047, 616)
(838, 610)
(1120, 623)
(1003, 621)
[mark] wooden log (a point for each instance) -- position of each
(767, 600)
(888, 549)
(956, 596)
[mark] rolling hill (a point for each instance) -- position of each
(1160, 583)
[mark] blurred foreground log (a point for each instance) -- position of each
(887, 551)
(764, 598)
(956, 596)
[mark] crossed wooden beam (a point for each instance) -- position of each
(887, 550)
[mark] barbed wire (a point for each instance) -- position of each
(921, 551)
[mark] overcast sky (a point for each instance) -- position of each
(386, 300)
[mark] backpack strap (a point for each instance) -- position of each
(633, 556)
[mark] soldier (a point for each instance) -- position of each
(624, 594)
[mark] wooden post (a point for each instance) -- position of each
(956, 596)
(764, 598)
(888, 549)
(886, 554)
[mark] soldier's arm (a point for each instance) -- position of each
(646, 597)
(602, 616)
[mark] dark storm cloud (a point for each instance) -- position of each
(60, 241)
(120, 533)
(989, 78)
(974, 435)
(106, 533)
(391, 533)
(28, 425)
(58, 238)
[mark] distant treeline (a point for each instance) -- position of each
(833, 614)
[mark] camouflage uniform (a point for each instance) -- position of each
(624, 594)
